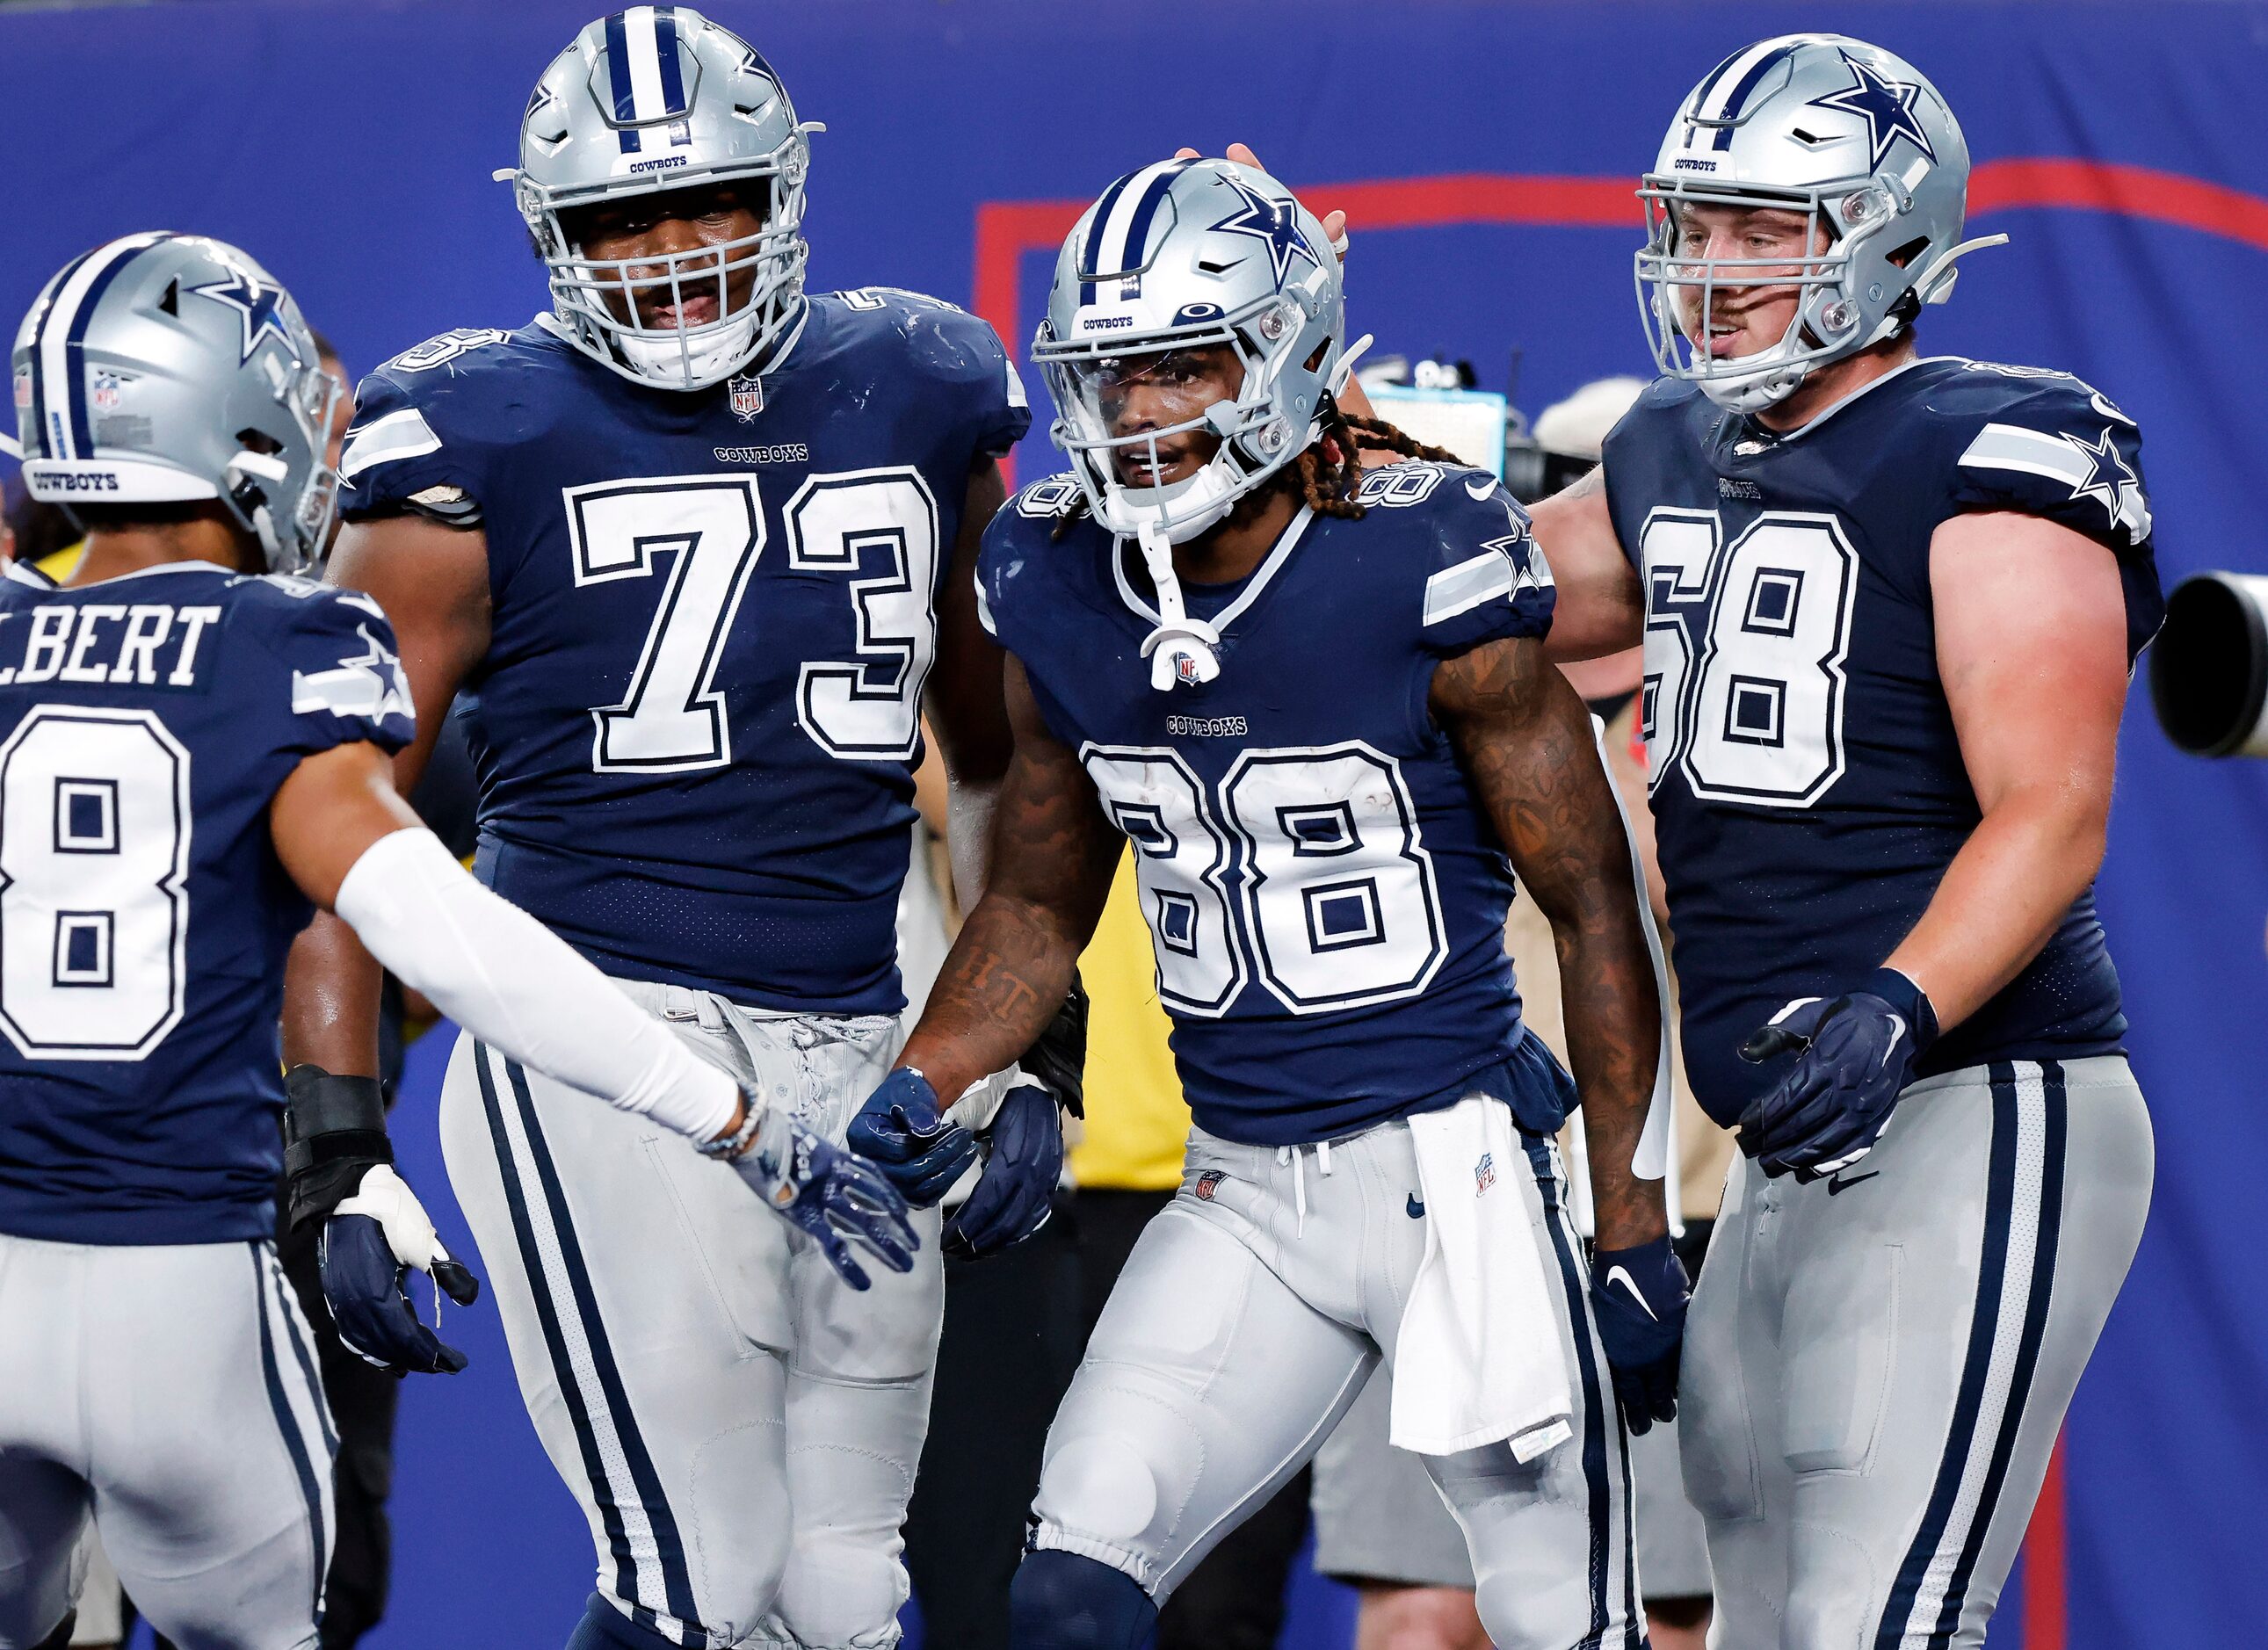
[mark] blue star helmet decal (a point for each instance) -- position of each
(1275, 221)
(259, 307)
(2108, 473)
(1886, 105)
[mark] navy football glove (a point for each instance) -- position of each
(1637, 1299)
(1854, 1056)
(365, 1251)
(830, 1194)
(1023, 1161)
(905, 1132)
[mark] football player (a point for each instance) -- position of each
(1890, 605)
(194, 750)
(692, 552)
(1315, 700)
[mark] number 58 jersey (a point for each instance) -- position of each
(1808, 788)
(712, 613)
(1326, 895)
(145, 724)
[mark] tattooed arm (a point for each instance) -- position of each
(1053, 856)
(1525, 742)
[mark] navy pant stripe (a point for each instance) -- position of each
(295, 1441)
(2000, 1197)
(1595, 1411)
(303, 1353)
(2042, 1285)
(677, 1579)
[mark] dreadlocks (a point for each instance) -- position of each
(1330, 469)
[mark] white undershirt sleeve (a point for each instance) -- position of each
(509, 981)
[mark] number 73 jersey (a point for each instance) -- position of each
(712, 615)
(1808, 789)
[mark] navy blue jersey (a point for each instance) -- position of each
(1326, 893)
(1808, 788)
(145, 723)
(713, 612)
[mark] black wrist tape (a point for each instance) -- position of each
(333, 1133)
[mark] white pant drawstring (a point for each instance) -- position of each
(1294, 1156)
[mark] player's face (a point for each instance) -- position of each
(1137, 394)
(1732, 320)
(669, 226)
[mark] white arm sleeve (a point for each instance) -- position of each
(508, 980)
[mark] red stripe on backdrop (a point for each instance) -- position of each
(1007, 230)
(2046, 1600)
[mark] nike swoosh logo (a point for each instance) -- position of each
(1480, 491)
(1835, 1183)
(1415, 1210)
(1618, 1275)
(1898, 1031)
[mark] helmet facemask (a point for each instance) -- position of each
(291, 521)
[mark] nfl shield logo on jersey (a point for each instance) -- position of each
(1483, 1173)
(1209, 1182)
(748, 397)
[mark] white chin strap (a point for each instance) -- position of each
(1181, 649)
(700, 358)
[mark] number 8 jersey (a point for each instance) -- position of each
(712, 614)
(1326, 896)
(1807, 784)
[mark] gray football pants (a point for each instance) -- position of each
(741, 1426)
(1876, 1364)
(169, 1392)
(1252, 1311)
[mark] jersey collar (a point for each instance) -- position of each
(1752, 430)
(1256, 582)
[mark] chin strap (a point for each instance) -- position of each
(1181, 649)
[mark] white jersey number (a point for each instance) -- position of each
(1338, 906)
(94, 857)
(674, 717)
(1745, 646)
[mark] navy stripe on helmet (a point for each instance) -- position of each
(75, 392)
(1095, 226)
(1969, 1402)
(1595, 1477)
(1737, 99)
(48, 445)
(646, 1481)
(295, 1441)
(618, 81)
(1138, 227)
(665, 48)
(2041, 1286)
(1701, 96)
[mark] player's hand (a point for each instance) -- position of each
(367, 1250)
(906, 1133)
(1023, 1161)
(1334, 222)
(1855, 1055)
(830, 1195)
(1637, 1299)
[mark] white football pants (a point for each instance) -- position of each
(169, 1392)
(741, 1426)
(1249, 1315)
(1877, 1364)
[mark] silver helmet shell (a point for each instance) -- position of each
(654, 99)
(1849, 136)
(168, 369)
(1187, 253)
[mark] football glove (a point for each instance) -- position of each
(1058, 1059)
(1023, 1150)
(1855, 1055)
(365, 1251)
(1637, 1301)
(908, 1136)
(832, 1195)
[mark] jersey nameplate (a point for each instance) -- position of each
(146, 643)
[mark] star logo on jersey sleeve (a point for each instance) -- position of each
(1887, 105)
(371, 685)
(1275, 222)
(259, 307)
(2110, 480)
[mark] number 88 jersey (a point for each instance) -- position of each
(1807, 784)
(712, 615)
(1326, 896)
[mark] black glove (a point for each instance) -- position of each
(1855, 1055)
(1058, 1059)
(333, 1134)
(1637, 1299)
(1023, 1161)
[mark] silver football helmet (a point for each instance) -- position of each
(1190, 254)
(1843, 132)
(652, 99)
(167, 369)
